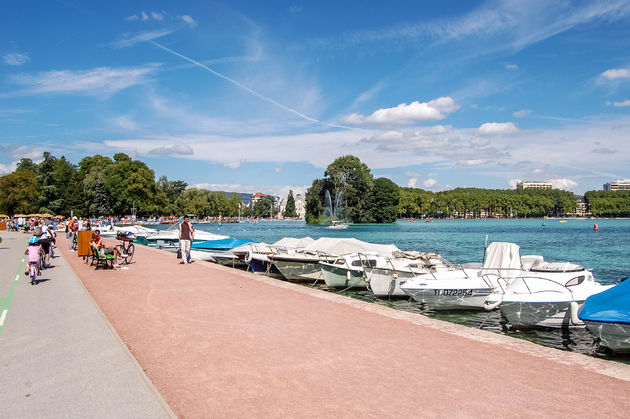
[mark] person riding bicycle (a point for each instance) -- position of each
(45, 241)
(32, 250)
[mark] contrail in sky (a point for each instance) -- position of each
(253, 92)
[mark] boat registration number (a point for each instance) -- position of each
(457, 293)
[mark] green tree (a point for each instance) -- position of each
(264, 207)
(289, 208)
(130, 183)
(354, 180)
(18, 192)
(315, 202)
(385, 200)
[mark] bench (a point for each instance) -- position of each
(106, 261)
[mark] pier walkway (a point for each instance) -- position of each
(217, 342)
(59, 357)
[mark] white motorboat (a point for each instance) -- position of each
(607, 316)
(386, 279)
(218, 251)
(110, 231)
(304, 264)
(348, 271)
(338, 225)
(548, 295)
(169, 239)
(467, 288)
(258, 256)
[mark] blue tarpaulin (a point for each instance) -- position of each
(223, 244)
(610, 306)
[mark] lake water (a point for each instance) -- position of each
(606, 252)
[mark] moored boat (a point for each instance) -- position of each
(607, 316)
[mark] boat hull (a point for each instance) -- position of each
(539, 314)
(262, 267)
(387, 282)
(450, 298)
(340, 277)
(614, 336)
(299, 270)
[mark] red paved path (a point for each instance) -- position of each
(218, 342)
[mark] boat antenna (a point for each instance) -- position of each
(485, 247)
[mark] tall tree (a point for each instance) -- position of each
(353, 179)
(385, 199)
(289, 208)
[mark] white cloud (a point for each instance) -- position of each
(7, 168)
(102, 81)
(234, 164)
(405, 114)
(522, 113)
(413, 181)
(179, 149)
(511, 66)
(131, 18)
(145, 16)
(429, 183)
(472, 162)
(369, 94)
(622, 104)
(188, 20)
(15, 58)
(125, 123)
(616, 73)
(278, 169)
(157, 16)
(498, 128)
(563, 183)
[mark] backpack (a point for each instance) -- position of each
(37, 231)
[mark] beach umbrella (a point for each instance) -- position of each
(19, 215)
(46, 215)
(4, 216)
(59, 216)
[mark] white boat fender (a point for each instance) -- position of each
(248, 257)
(348, 276)
(573, 308)
(492, 301)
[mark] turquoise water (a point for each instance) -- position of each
(606, 252)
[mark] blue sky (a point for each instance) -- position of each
(253, 96)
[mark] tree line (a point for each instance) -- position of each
(100, 186)
(369, 200)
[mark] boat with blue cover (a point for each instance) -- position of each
(219, 251)
(607, 316)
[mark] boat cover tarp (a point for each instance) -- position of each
(224, 244)
(294, 242)
(503, 256)
(344, 246)
(610, 306)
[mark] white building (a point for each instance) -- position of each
(620, 185)
(534, 185)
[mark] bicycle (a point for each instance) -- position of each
(125, 249)
(42, 260)
(32, 270)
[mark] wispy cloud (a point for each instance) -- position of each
(129, 40)
(188, 20)
(522, 113)
(125, 123)
(15, 58)
(616, 73)
(100, 82)
(622, 104)
(511, 66)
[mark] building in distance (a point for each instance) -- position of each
(620, 185)
(534, 185)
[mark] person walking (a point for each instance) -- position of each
(186, 236)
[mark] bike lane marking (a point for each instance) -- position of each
(5, 303)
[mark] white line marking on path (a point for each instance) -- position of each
(4, 315)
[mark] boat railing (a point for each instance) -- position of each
(553, 286)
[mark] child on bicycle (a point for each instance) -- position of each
(32, 250)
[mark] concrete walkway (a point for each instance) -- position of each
(59, 357)
(223, 343)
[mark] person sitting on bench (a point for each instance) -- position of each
(97, 241)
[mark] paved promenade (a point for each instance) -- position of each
(59, 357)
(223, 343)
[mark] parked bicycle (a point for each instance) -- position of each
(126, 248)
